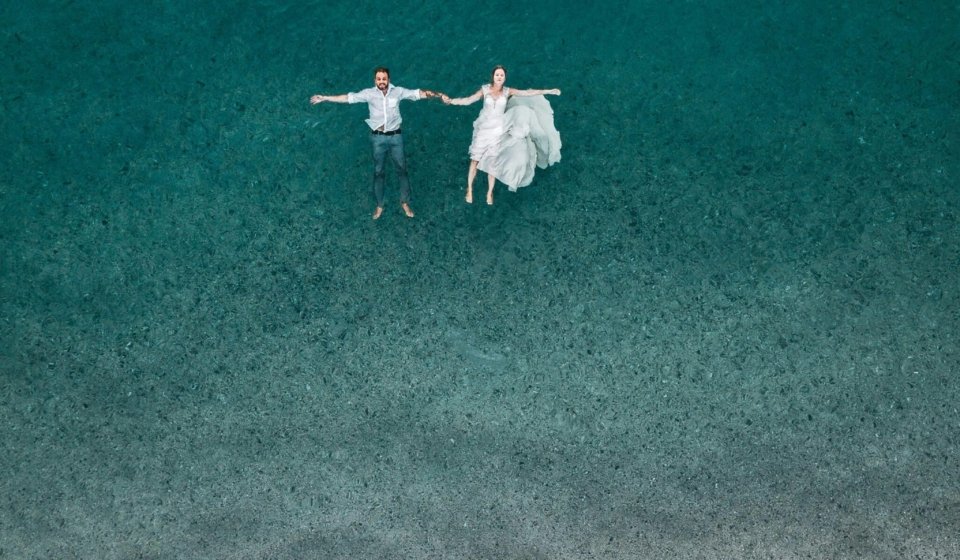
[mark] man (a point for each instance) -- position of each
(383, 100)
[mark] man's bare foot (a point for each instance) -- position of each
(469, 197)
(490, 198)
(377, 212)
(406, 209)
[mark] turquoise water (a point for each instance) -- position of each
(724, 325)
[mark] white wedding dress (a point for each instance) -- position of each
(513, 136)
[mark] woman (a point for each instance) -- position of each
(510, 139)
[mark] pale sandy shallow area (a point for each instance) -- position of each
(725, 325)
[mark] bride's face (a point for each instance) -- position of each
(499, 76)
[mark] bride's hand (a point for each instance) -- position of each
(555, 91)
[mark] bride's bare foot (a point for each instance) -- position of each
(469, 197)
(490, 198)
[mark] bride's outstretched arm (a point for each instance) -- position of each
(463, 100)
(532, 92)
(331, 98)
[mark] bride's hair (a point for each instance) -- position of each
(494, 71)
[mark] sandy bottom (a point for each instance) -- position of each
(725, 325)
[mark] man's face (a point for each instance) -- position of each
(382, 81)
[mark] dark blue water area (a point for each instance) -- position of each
(723, 325)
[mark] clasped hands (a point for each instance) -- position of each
(444, 97)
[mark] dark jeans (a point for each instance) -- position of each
(382, 145)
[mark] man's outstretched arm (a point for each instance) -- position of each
(331, 98)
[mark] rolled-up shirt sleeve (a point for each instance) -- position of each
(362, 96)
(412, 94)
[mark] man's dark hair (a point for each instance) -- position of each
(383, 69)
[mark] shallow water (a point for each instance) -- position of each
(724, 325)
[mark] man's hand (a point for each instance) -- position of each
(316, 99)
